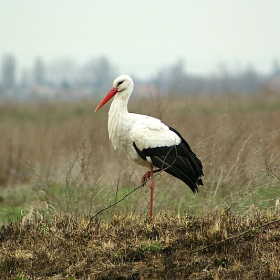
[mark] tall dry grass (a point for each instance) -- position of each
(57, 156)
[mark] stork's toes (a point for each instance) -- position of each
(146, 177)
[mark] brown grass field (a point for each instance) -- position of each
(58, 169)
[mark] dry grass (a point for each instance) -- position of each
(130, 247)
(58, 156)
(58, 168)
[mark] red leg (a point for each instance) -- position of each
(149, 175)
(152, 184)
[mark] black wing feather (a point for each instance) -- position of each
(178, 160)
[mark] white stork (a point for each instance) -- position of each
(149, 142)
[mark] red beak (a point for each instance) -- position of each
(109, 95)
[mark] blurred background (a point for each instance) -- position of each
(210, 69)
(73, 49)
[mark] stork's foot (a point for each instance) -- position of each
(146, 177)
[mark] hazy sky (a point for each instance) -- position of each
(143, 36)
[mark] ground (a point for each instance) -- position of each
(220, 246)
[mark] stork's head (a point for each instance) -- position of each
(123, 85)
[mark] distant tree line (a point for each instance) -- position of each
(65, 78)
(176, 79)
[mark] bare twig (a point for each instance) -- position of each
(269, 169)
(117, 190)
(118, 201)
(233, 237)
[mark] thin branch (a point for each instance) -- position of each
(121, 199)
(117, 190)
(271, 171)
(232, 237)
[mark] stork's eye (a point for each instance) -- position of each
(119, 83)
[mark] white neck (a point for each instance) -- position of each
(118, 119)
(119, 105)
